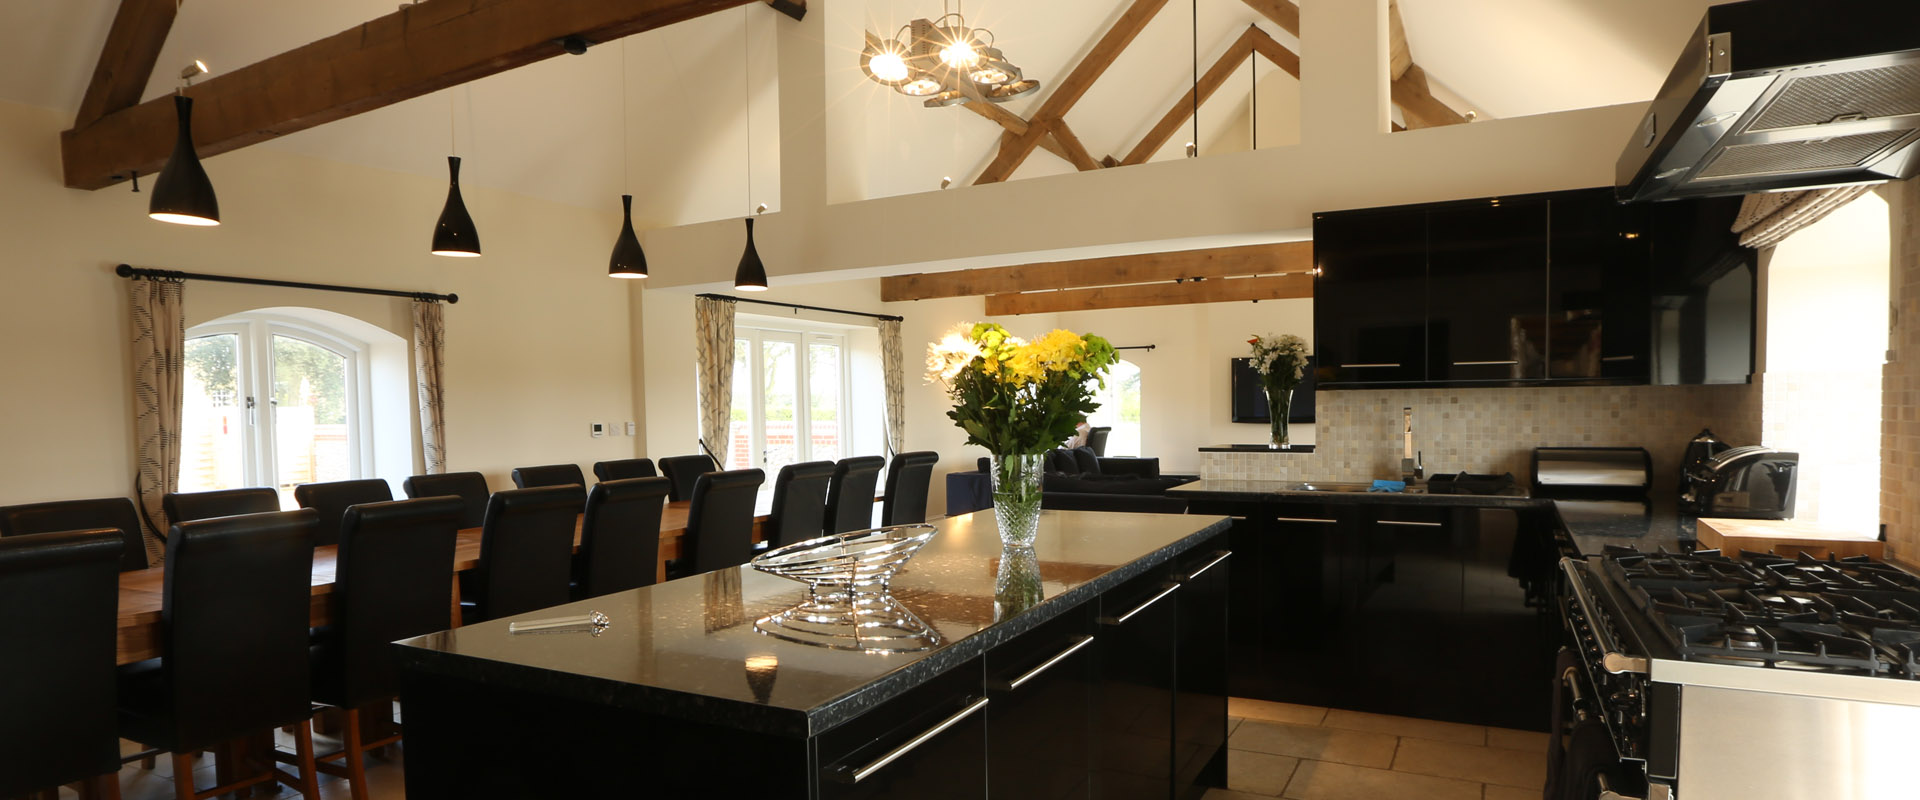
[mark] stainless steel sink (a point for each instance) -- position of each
(1344, 488)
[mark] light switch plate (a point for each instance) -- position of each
(630, 429)
(599, 429)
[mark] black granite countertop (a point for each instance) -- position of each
(688, 648)
(1591, 524)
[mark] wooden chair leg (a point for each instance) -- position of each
(146, 762)
(356, 756)
(303, 748)
(183, 777)
(101, 787)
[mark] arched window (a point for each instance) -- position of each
(274, 400)
(1120, 409)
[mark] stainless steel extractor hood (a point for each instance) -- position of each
(1783, 94)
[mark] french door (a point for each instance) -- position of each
(270, 404)
(789, 399)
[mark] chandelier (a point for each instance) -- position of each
(944, 61)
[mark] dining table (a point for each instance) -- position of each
(142, 591)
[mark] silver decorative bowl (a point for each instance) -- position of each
(860, 621)
(860, 561)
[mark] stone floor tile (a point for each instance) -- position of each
(1406, 726)
(1275, 712)
(1530, 741)
(1319, 780)
(1322, 744)
(1519, 768)
(1259, 773)
(1495, 792)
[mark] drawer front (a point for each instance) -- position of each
(930, 742)
(1040, 722)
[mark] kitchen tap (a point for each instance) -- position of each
(1411, 468)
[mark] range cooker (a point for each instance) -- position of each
(1745, 675)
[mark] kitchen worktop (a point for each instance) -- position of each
(1338, 492)
(688, 648)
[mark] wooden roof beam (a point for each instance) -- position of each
(1148, 268)
(415, 51)
(1283, 13)
(1409, 87)
(1254, 40)
(126, 62)
(1015, 125)
(1216, 290)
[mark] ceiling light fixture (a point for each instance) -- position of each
(183, 194)
(628, 260)
(944, 61)
(751, 275)
(454, 234)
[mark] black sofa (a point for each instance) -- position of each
(1078, 480)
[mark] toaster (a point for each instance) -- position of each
(1744, 482)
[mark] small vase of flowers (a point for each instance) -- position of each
(1281, 361)
(1018, 399)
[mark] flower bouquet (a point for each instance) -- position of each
(1281, 361)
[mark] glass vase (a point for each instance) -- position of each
(1016, 497)
(1016, 586)
(1279, 401)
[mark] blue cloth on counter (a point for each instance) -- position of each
(1388, 486)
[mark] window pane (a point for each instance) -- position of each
(739, 452)
(823, 389)
(213, 416)
(309, 414)
(1119, 409)
(780, 381)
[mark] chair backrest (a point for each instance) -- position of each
(334, 498)
(720, 521)
(850, 499)
(470, 487)
(907, 484)
(526, 549)
(190, 506)
(1097, 439)
(623, 469)
(234, 625)
(550, 475)
(81, 515)
(394, 570)
(683, 471)
(799, 503)
(620, 535)
(58, 602)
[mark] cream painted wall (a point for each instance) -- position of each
(538, 346)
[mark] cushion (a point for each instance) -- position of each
(1060, 460)
(1107, 484)
(1087, 461)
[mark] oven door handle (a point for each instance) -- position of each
(1612, 659)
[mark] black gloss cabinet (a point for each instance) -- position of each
(1486, 291)
(1042, 685)
(1369, 301)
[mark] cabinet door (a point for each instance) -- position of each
(929, 742)
(1486, 290)
(1200, 699)
(1599, 303)
(1138, 624)
(1040, 742)
(1369, 301)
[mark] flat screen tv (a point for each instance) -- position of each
(1250, 399)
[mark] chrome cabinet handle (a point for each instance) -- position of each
(1620, 358)
(861, 774)
(1618, 663)
(1484, 363)
(1008, 686)
(1224, 554)
(1122, 619)
(1407, 524)
(1314, 520)
(1368, 366)
(1611, 659)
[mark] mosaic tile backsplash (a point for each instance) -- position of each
(1358, 433)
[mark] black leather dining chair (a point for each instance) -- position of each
(907, 484)
(623, 469)
(191, 506)
(234, 637)
(850, 498)
(683, 471)
(81, 515)
(526, 552)
(332, 500)
(1097, 439)
(470, 487)
(59, 599)
(620, 536)
(799, 503)
(394, 568)
(550, 475)
(720, 521)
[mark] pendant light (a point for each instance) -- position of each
(751, 275)
(454, 235)
(628, 260)
(183, 194)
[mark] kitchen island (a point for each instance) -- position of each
(1099, 665)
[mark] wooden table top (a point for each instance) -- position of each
(141, 590)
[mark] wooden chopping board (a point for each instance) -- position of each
(1786, 538)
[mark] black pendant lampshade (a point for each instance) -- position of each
(454, 235)
(751, 276)
(628, 261)
(183, 195)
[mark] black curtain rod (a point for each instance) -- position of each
(1148, 347)
(712, 296)
(129, 271)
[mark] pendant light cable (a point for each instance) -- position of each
(1253, 95)
(1196, 78)
(626, 135)
(746, 92)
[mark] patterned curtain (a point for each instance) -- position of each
(429, 358)
(893, 364)
(159, 364)
(713, 354)
(1767, 218)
